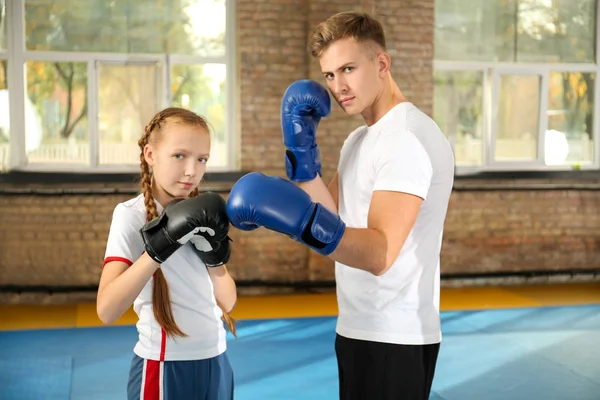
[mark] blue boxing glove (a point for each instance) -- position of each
(279, 205)
(303, 105)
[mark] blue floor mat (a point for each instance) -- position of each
(533, 353)
(35, 378)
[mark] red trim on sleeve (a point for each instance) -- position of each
(122, 259)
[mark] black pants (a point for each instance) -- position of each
(384, 371)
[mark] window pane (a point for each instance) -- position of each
(3, 28)
(475, 30)
(458, 112)
(128, 101)
(57, 130)
(4, 118)
(128, 26)
(201, 88)
(517, 118)
(3, 74)
(204, 25)
(569, 138)
(515, 30)
(556, 31)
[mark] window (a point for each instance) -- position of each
(4, 101)
(3, 27)
(459, 113)
(95, 72)
(561, 31)
(192, 27)
(571, 110)
(515, 82)
(516, 120)
(128, 99)
(201, 88)
(58, 91)
(4, 116)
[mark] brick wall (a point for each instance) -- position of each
(516, 227)
(271, 41)
(53, 240)
(59, 239)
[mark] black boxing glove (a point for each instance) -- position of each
(212, 254)
(182, 219)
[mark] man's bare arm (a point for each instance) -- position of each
(374, 249)
(321, 193)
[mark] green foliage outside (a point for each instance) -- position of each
(124, 26)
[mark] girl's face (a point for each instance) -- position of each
(178, 157)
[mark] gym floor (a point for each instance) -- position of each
(522, 342)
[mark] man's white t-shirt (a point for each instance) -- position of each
(191, 290)
(404, 151)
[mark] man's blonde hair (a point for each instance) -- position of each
(361, 27)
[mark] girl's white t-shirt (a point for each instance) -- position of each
(191, 290)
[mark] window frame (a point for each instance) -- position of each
(491, 71)
(17, 56)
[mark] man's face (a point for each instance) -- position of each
(353, 74)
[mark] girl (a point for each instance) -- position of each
(181, 348)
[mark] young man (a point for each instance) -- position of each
(381, 217)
